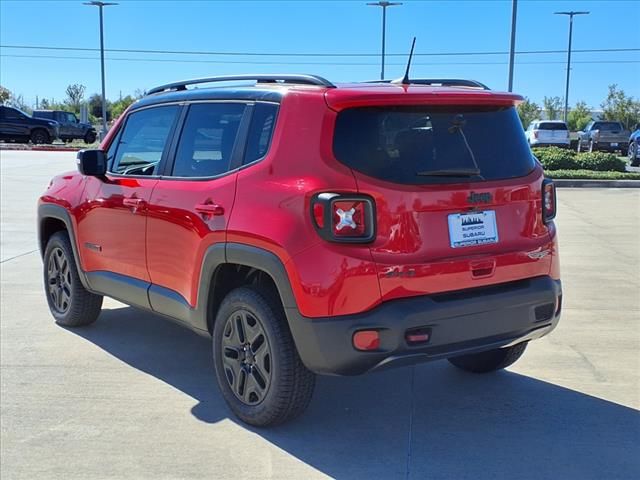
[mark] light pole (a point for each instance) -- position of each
(512, 48)
(384, 6)
(100, 5)
(566, 91)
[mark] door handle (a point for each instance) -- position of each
(134, 203)
(210, 208)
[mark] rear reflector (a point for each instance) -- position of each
(366, 340)
(417, 336)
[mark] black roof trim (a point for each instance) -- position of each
(260, 78)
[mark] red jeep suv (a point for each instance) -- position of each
(312, 228)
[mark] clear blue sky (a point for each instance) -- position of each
(318, 27)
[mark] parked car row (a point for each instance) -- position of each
(44, 126)
(604, 136)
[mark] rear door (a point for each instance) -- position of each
(190, 206)
(457, 194)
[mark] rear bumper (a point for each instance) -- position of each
(459, 322)
(610, 145)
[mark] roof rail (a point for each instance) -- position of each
(260, 78)
(439, 82)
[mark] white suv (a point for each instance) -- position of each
(545, 133)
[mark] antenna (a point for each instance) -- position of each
(405, 79)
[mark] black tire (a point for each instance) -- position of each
(40, 136)
(491, 360)
(90, 137)
(272, 388)
(69, 302)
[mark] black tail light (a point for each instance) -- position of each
(344, 218)
(549, 203)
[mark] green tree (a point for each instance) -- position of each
(75, 95)
(95, 107)
(552, 106)
(119, 106)
(5, 95)
(578, 117)
(528, 111)
(620, 107)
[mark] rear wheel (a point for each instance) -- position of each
(257, 366)
(69, 302)
(39, 136)
(491, 360)
(90, 137)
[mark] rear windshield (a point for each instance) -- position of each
(419, 145)
(607, 126)
(552, 126)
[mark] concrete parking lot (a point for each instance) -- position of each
(133, 396)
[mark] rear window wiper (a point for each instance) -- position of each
(457, 172)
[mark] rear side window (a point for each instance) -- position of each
(142, 142)
(552, 126)
(408, 144)
(260, 131)
(207, 139)
(12, 113)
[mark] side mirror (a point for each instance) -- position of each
(92, 163)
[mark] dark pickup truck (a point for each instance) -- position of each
(18, 126)
(604, 136)
(70, 127)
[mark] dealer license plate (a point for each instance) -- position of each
(475, 228)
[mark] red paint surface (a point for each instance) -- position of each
(268, 205)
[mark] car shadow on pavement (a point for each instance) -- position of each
(429, 421)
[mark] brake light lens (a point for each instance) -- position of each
(548, 200)
(344, 218)
(349, 218)
(535, 134)
(318, 214)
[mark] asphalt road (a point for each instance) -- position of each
(133, 396)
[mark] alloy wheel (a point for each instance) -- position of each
(246, 357)
(59, 280)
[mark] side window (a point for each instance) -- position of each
(12, 114)
(141, 144)
(207, 139)
(262, 123)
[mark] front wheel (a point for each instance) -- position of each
(491, 360)
(69, 302)
(257, 366)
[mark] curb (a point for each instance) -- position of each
(583, 183)
(38, 148)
